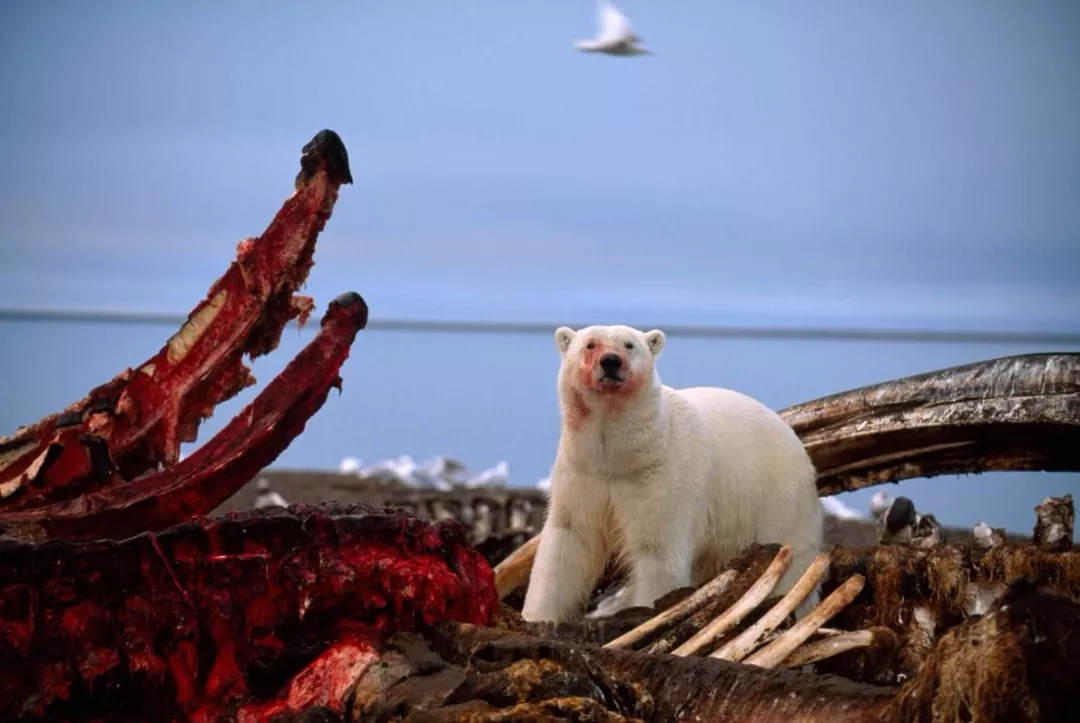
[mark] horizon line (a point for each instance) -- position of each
(704, 331)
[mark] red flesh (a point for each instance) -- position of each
(138, 420)
(217, 469)
(189, 621)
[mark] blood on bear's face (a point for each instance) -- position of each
(611, 363)
(604, 367)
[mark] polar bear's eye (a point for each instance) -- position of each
(590, 345)
(629, 345)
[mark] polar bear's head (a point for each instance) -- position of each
(608, 360)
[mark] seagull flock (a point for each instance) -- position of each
(438, 473)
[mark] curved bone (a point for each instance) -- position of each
(1010, 413)
(742, 607)
(774, 653)
(216, 470)
(137, 421)
(677, 613)
(828, 647)
(513, 572)
(745, 642)
(992, 668)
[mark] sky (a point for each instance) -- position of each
(892, 165)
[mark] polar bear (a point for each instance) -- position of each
(675, 482)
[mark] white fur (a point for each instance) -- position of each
(674, 481)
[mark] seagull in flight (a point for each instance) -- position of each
(614, 36)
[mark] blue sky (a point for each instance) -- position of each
(902, 165)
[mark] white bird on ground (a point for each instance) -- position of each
(496, 476)
(416, 475)
(268, 497)
(449, 470)
(387, 470)
(836, 508)
(987, 536)
(350, 465)
(614, 35)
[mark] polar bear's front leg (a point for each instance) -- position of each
(655, 573)
(568, 562)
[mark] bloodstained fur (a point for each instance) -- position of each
(613, 398)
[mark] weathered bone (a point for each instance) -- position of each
(513, 572)
(771, 655)
(1011, 413)
(828, 647)
(676, 613)
(1017, 663)
(743, 644)
(743, 607)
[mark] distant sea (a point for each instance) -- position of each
(483, 397)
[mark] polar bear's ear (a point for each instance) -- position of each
(655, 340)
(563, 336)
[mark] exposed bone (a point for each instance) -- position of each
(743, 607)
(676, 613)
(249, 442)
(743, 644)
(952, 582)
(993, 668)
(513, 572)
(828, 647)
(772, 654)
(827, 632)
(192, 330)
(135, 423)
(1054, 524)
(1010, 413)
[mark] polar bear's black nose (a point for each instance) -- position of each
(611, 363)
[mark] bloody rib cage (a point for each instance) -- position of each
(118, 601)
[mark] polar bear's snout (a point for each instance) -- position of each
(612, 368)
(605, 368)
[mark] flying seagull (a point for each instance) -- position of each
(614, 36)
